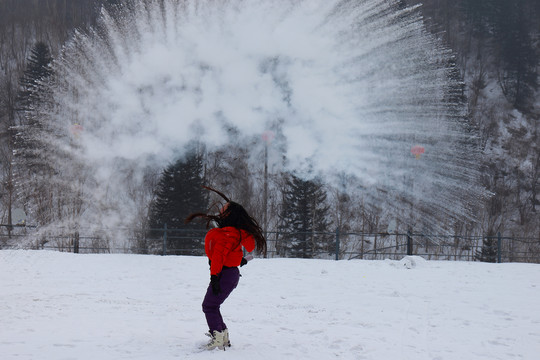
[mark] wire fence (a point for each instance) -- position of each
(334, 245)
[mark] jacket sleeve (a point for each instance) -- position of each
(248, 242)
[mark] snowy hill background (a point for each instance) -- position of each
(67, 306)
(496, 47)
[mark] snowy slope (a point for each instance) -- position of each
(66, 306)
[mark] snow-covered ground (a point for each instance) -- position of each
(67, 306)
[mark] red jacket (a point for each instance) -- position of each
(223, 246)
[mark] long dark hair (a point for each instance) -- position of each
(234, 215)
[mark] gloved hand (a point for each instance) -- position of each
(246, 259)
(214, 282)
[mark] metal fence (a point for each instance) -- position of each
(379, 246)
(334, 245)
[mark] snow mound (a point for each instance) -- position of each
(408, 262)
(411, 262)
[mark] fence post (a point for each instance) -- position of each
(164, 239)
(499, 247)
(337, 243)
(409, 243)
(76, 243)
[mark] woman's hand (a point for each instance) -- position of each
(214, 282)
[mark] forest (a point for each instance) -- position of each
(496, 48)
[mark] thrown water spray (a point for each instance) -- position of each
(346, 86)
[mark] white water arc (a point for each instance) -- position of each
(347, 86)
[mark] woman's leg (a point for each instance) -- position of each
(211, 303)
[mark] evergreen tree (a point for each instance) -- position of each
(34, 158)
(488, 252)
(180, 193)
(304, 218)
(38, 70)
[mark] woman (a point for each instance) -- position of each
(223, 246)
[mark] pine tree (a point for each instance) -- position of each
(179, 193)
(38, 70)
(304, 218)
(34, 162)
(488, 252)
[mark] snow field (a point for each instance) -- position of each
(68, 306)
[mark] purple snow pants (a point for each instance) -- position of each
(211, 303)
